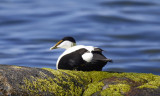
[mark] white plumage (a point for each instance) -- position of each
(79, 57)
(86, 56)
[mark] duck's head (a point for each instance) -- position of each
(65, 43)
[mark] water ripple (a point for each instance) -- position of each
(127, 31)
(129, 3)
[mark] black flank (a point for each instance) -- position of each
(74, 61)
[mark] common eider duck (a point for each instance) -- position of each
(79, 57)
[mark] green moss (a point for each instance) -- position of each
(75, 83)
(100, 75)
(63, 83)
(16, 67)
(92, 88)
(77, 75)
(146, 80)
(39, 85)
(116, 90)
(154, 83)
(140, 77)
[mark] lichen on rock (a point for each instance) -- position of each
(26, 81)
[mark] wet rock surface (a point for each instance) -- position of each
(26, 81)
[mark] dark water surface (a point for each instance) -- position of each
(128, 31)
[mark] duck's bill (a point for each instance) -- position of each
(55, 46)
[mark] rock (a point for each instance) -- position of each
(26, 81)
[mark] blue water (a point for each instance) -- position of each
(127, 30)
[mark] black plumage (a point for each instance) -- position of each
(73, 59)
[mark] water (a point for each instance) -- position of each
(128, 31)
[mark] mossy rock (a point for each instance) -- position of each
(26, 81)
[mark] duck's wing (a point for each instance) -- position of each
(98, 56)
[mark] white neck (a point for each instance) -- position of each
(66, 44)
